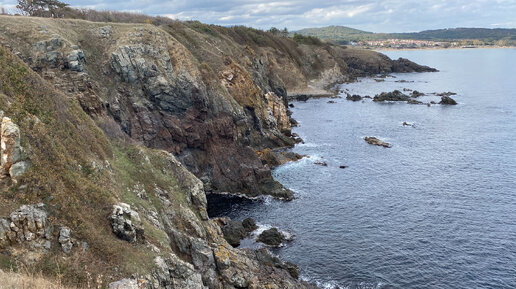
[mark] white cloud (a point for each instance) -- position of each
(372, 15)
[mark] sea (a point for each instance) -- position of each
(436, 210)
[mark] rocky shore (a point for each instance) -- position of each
(115, 132)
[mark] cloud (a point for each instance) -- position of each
(371, 15)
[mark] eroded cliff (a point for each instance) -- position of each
(210, 95)
(112, 133)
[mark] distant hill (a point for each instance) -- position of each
(336, 33)
(342, 34)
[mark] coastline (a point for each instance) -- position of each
(440, 48)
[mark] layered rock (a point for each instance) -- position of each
(27, 225)
(13, 162)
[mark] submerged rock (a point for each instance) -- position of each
(449, 93)
(374, 141)
(447, 100)
(272, 237)
(323, 164)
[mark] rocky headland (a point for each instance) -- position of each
(112, 134)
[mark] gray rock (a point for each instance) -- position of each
(249, 224)
(124, 284)
(272, 237)
(65, 239)
(447, 100)
(234, 232)
(105, 31)
(18, 169)
(126, 223)
(76, 60)
(396, 95)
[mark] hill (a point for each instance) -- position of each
(341, 34)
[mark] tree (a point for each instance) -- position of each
(284, 32)
(42, 8)
(274, 30)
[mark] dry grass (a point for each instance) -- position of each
(11, 280)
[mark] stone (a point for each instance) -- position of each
(126, 223)
(416, 94)
(249, 224)
(354, 97)
(343, 167)
(76, 60)
(447, 100)
(377, 142)
(395, 95)
(323, 164)
(233, 232)
(18, 169)
(272, 237)
(65, 239)
(124, 284)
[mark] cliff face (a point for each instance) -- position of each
(111, 133)
(91, 210)
(210, 95)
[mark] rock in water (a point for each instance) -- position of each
(354, 97)
(447, 100)
(249, 224)
(374, 141)
(271, 237)
(391, 96)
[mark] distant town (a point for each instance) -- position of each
(415, 44)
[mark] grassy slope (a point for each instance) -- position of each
(79, 173)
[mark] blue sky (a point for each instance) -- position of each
(370, 15)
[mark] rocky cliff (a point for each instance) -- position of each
(211, 96)
(112, 133)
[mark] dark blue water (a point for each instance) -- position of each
(437, 210)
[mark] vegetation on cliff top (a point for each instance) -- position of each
(341, 34)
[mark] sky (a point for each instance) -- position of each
(369, 15)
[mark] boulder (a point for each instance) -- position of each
(249, 224)
(377, 142)
(65, 239)
(323, 164)
(354, 97)
(233, 232)
(126, 223)
(447, 100)
(416, 94)
(272, 237)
